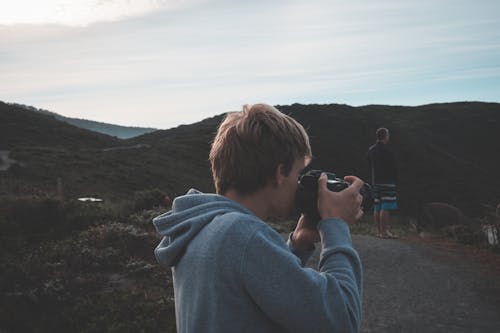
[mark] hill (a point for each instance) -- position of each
(93, 164)
(122, 132)
(91, 265)
(20, 127)
(446, 152)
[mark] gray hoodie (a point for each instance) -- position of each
(233, 273)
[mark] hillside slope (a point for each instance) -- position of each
(446, 152)
(21, 127)
(93, 164)
(122, 132)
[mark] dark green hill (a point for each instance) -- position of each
(446, 152)
(93, 164)
(122, 132)
(22, 127)
(71, 264)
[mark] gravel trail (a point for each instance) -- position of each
(410, 286)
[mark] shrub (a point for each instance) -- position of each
(148, 199)
(43, 215)
(29, 215)
(144, 218)
(80, 215)
(88, 267)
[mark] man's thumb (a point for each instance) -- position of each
(322, 181)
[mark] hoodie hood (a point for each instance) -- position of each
(189, 214)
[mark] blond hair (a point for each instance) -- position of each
(251, 144)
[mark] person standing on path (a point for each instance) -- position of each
(384, 179)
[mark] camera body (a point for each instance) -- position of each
(306, 201)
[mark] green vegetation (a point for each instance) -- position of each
(86, 267)
(76, 266)
(445, 153)
(122, 132)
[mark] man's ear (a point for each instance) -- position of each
(279, 175)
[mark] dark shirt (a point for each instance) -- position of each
(382, 164)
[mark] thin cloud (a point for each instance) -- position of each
(168, 67)
(81, 12)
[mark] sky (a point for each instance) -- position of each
(162, 63)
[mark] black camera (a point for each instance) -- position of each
(307, 192)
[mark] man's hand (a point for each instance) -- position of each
(345, 204)
(304, 237)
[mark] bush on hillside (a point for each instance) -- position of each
(103, 278)
(148, 199)
(31, 215)
(37, 215)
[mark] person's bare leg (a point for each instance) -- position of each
(376, 215)
(384, 222)
(384, 218)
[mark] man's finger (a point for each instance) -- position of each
(360, 199)
(322, 182)
(356, 183)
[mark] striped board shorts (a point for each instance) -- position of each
(384, 197)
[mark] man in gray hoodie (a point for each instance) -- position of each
(231, 271)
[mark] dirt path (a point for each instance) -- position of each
(410, 286)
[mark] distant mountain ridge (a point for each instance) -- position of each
(122, 132)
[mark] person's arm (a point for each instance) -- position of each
(395, 168)
(302, 299)
(304, 254)
(301, 240)
(392, 165)
(369, 158)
